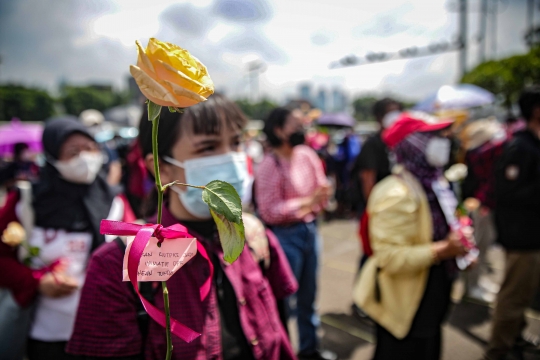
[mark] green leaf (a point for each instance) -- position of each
(171, 109)
(34, 251)
(153, 110)
(226, 209)
(223, 199)
(231, 235)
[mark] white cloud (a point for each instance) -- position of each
(126, 26)
(219, 32)
(42, 41)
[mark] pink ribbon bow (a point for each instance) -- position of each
(143, 233)
(39, 273)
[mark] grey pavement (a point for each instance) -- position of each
(464, 335)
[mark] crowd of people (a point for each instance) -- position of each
(61, 289)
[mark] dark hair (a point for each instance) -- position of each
(204, 118)
(276, 119)
(379, 108)
(528, 100)
(18, 148)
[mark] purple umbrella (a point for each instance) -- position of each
(338, 119)
(17, 132)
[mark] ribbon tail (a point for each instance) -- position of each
(134, 257)
(207, 286)
(177, 328)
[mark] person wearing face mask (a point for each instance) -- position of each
(371, 166)
(517, 194)
(69, 202)
(405, 285)
(239, 318)
(291, 189)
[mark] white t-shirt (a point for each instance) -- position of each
(55, 317)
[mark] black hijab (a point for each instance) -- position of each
(60, 204)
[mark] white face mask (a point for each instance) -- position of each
(82, 169)
(438, 152)
(390, 118)
(230, 167)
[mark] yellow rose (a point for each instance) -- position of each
(14, 234)
(170, 76)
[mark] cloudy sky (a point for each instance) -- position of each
(92, 41)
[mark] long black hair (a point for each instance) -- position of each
(276, 119)
(204, 118)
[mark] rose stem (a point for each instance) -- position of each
(155, 125)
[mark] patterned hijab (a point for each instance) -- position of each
(411, 153)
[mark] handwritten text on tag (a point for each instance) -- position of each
(160, 263)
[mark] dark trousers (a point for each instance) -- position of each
(521, 280)
(55, 350)
(301, 243)
(409, 348)
(46, 350)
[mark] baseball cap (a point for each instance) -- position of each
(410, 122)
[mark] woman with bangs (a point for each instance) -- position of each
(239, 319)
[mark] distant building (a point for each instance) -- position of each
(300, 104)
(339, 100)
(320, 102)
(305, 92)
(62, 86)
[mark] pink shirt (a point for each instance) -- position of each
(280, 184)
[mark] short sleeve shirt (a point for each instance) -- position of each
(374, 156)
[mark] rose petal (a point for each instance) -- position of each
(14, 234)
(170, 74)
(153, 90)
(202, 71)
(209, 91)
(177, 57)
(184, 96)
(144, 62)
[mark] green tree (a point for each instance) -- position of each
(77, 99)
(25, 103)
(507, 77)
(363, 108)
(256, 110)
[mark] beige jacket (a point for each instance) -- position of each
(400, 230)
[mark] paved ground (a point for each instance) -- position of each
(464, 335)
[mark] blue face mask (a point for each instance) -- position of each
(230, 167)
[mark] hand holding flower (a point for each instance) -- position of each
(57, 285)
